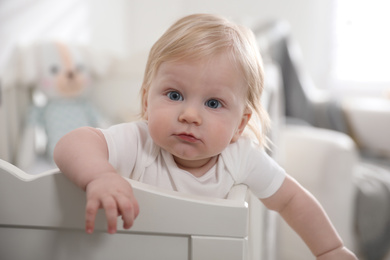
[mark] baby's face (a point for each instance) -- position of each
(196, 108)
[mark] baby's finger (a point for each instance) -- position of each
(136, 207)
(111, 210)
(129, 211)
(90, 214)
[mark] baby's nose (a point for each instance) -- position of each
(190, 115)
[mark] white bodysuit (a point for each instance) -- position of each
(133, 154)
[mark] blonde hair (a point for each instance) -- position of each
(204, 35)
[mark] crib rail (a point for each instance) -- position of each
(42, 217)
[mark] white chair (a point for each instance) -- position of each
(42, 217)
(325, 162)
(369, 124)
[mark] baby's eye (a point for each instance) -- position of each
(213, 103)
(174, 95)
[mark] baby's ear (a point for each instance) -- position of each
(241, 127)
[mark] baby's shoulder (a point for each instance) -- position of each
(128, 128)
(244, 149)
(244, 145)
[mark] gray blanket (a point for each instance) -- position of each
(373, 211)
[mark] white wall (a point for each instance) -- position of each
(22, 21)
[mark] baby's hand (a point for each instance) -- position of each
(115, 195)
(341, 253)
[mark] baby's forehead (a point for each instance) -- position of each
(207, 62)
(216, 71)
(206, 58)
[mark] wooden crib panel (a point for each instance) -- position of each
(42, 217)
(66, 244)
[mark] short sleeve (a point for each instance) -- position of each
(249, 164)
(265, 175)
(122, 147)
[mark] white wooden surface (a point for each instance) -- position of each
(42, 217)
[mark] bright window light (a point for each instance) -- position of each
(362, 50)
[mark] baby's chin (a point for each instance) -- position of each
(191, 162)
(196, 167)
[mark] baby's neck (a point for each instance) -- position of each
(196, 168)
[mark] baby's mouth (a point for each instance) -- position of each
(187, 137)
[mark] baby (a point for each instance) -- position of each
(201, 111)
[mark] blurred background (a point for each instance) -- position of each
(344, 44)
(334, 53)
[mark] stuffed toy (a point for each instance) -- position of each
(59, 104)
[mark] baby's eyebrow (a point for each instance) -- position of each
(169, 77)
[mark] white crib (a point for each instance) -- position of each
(42, 217)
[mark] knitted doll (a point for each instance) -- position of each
(60, 103)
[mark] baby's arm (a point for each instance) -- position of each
(82, 155)
(305, 215)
